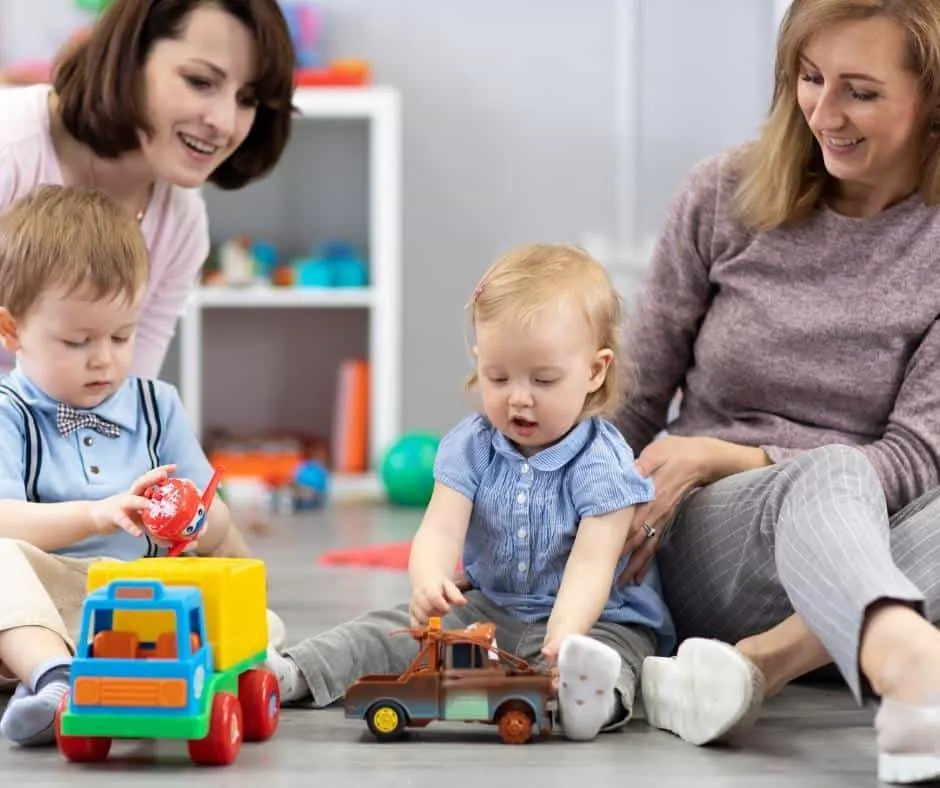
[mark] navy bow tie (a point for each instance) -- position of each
(69, 419)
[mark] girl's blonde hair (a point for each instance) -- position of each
(782, 175)
(530, 279)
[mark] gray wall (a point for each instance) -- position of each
(510, 132)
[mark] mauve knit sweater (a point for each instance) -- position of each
(824, 331)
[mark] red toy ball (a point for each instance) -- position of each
(177, 511)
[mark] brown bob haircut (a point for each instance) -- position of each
(98, 81)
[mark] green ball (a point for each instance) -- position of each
(408, 469)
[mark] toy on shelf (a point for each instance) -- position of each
(272, 474)
(461, 675)
(177, 513)
(243, 261)
(171, 648)
(95, 6)
(314, 69)
(333, 264)
(310, 485)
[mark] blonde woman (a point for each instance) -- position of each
(794, 299)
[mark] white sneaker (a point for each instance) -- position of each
(705, 692)
(908, 742)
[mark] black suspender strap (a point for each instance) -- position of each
(148, 406)
(33, 443)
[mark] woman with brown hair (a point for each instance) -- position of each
(160, 98)
(793, 300)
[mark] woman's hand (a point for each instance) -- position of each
(677, 465)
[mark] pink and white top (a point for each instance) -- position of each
(175, 225)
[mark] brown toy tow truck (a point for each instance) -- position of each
(457, 675)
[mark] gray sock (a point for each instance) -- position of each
(29, 719)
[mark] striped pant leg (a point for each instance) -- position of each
(810, 534)
(915, 545)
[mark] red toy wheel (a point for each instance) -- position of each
(221, 745)
(79, 749)
(260, 697)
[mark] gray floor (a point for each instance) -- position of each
(811, 737)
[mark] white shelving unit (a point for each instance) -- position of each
(380, 108)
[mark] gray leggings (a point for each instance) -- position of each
(332, 660)
(811, 534)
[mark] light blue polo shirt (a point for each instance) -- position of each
(526, 513)
(86, 465)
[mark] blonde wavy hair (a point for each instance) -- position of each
(529, 279)
(782, 176)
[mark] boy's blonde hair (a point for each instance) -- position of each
(532, 278)
(75, 238)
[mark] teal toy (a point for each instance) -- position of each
(333, 264)
(408, 469)
(95, 6)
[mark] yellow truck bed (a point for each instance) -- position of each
(234, 596)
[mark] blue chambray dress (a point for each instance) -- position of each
(526, 513)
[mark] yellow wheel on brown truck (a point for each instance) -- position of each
(386, 720)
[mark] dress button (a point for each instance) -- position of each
(525, 467)
(94, 469)
(522, 566)
(521, 533)
(521, 497)
(88, 440)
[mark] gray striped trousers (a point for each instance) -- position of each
(810, 535)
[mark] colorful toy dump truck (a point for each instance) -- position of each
(171, 648)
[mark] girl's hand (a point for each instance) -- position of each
(433, 598)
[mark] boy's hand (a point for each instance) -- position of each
(122, 511)
(433, 598)
(158, 475)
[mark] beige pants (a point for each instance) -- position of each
(40, 589)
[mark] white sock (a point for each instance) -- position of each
(587, 672)
(289, 678)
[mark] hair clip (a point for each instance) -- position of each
(479, 291)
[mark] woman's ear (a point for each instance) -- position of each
(9, 332)
(599, 367)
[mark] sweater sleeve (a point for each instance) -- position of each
(175, 281)
(907, 456)
(676, 296)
